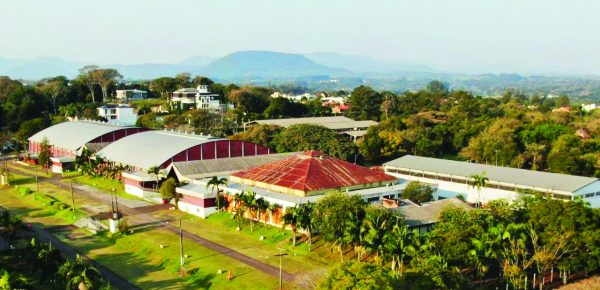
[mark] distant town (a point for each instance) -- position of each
(186, 183)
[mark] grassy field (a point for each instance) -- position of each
(221, 228)
(104, 184)
(33, 170)
(138, 257)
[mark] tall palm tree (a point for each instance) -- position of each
(251, 208)
(378, 221)
(262, 205)
(215, 182)
(306, 221)
(239, 207)
(273, 208)
(292, 218)
(478, 181)
(398, 244)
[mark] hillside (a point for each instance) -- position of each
(265, 64)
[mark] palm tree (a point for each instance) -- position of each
(398, 243)
(262, 205)
(273, 208)
(215, 182)
(10, 281)
(306, 221)
(251, 207)
(154, 170)
(292, 218)
(378, 221)
(477, 182)
(240, 208)
(80, 275)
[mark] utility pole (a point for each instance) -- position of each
(72, 196)
(37, 186)
(280, 255)
(181, 243)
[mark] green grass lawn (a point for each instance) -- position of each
(69, 174)
(137, 257)
(32, 169)
(221, 228)
(105, 184)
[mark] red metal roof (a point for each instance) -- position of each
(312, 171)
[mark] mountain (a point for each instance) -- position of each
(37, 68)
(364, 64)
(266, 64)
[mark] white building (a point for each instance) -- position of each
(294, 98)
(589, 107)
(453, 178)
(199, 98)
(118, 114)
(135, 94)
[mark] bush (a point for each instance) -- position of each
(24, 190)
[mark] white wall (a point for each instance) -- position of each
(593, 187)
(197, 210)
(134, 190)
(471, 195)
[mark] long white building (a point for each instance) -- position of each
(453, 178)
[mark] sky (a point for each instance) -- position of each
(473, 36)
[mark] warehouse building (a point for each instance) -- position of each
(68, 138)
(454, 178)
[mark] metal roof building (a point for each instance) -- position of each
(68, 137)
(311, 173)
(455, 176)
(189, 170)
(337, 123)
(161, 148)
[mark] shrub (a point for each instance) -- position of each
(24, 190)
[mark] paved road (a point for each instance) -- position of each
(114, 279)
(137, 216)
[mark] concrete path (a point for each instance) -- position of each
(137, 215)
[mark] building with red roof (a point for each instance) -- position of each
(311, 173)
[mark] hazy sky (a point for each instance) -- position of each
(469, 36)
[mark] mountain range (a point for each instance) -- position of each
(234, 66)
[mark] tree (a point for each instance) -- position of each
(291, 218)
(273, 208)
(262, 206)
(80, 275)
(45, 153)
(313, 137)
(397, 244)
(251, 207)
(356, 275)
(164, 86)
(154, 170)
(437, 87)
(478, 181)
(240, 208)
(306, 221)
(377, 223)
(87, 75)
(184, 80)
(10, 281)
(418, 192)
(365, 104)
(55, 89)
(202, 80)
(167, 190)
(214, 183)
(339, 217)
(106, 77)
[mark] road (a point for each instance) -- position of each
(137, 216)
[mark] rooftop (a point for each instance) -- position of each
(212, 167)
(151, 148)
(72, 135)
(334, 123)
(538, 180)
(428, 212)
(312, 171)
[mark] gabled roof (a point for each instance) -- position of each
(151, 148)
(506, 175)
(313, 171)
(72, 135)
